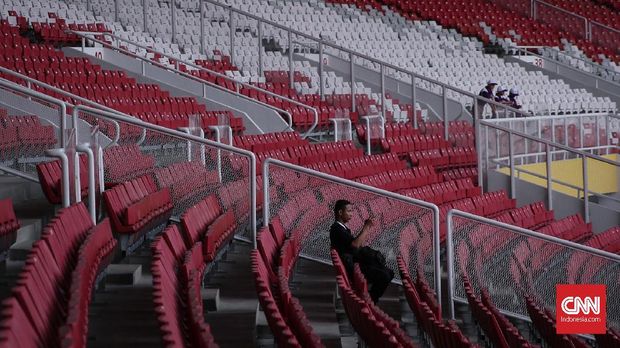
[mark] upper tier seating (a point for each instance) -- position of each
(422, 47)
(306, 77)
(503, 23)
(111, 88)
(50, 302)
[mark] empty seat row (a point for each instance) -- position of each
(375, 327)
(137, 207)
(498, 330)
(444, 192)
(544, 323)
(353, 168)
(280, 256)
(185, 180)
(422, 303)
(24, 136)
(94, 256)
(572, 228)
(608, 240)
(443, 158)
(9, 224)
(395, 180)
(177, 274)
(49, 305)
(50, 177)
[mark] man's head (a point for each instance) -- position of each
(514, 92)
(342, 210)
(501, 91)
(491, 84)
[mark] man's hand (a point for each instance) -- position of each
(369, 222)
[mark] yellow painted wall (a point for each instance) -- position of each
(602, 177)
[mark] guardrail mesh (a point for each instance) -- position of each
(512, 265)
(304, 203)
(191, 170)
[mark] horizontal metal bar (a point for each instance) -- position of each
(351, 183)
(605, 26)
(522, 50)
(550, 117)
(19, 174)
(359, 55)
(533, 234)
(171, 132)
(212, 72)
(561, 9)
(559, 182)
(550, 143)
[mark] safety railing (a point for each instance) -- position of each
(600, 76)
(580, 131)
(188, 166)
(565, 20)
(513, 264)
(303, 201)
(453, 102)
(29, 84)
(502, 149)
(24, 145)
(118, 43)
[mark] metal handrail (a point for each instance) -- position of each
(553, 117)
(523, 49)
(501, 162)
(363, 187)
(61, 104)
(605, 26)
(120, 117)
(515, 229)
(365, 57)
(562, 10)
(54, 100)
(549, 143)
(18, 173)
(591, 63)
(85, 36)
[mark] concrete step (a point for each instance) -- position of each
(233, 324)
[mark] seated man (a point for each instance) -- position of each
(500, 95)
(512, 98)
(349, 248)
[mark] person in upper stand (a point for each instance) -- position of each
(500, 95)
(351, 250)
(512, 98)
(487, 92)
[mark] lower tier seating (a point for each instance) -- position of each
(9, 224)
(49, 305)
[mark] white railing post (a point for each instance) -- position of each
(260, 48)
(201, 4)
(174, 20)
(321, 78)
(92, 208)
(586, 191)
